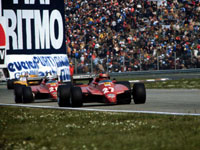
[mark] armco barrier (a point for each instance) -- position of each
(157, 72)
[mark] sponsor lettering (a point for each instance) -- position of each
(2, 54)
(33, 29)
(65, 75)
(35, 41)
(57, 65)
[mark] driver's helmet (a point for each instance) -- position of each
(49, 76)
(103, 76)
(24, 77)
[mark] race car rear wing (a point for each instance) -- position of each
(87, 77)
(34, 80)
(83, 77)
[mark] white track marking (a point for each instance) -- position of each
(150, 80)
(104, 110)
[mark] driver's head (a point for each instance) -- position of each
(49, 76)
(103, 76)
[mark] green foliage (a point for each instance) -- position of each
(168, 84)
(46, 129)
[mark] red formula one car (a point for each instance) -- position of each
(100, 89)
(27, 90)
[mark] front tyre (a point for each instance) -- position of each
(139, 93)
(10, 84)
(18, 91)
(76, 97)
(27, 95)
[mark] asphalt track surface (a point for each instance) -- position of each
(159, 101)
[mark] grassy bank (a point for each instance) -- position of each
(182, 83)
(192, 83)
(45, 129)
(169, 84)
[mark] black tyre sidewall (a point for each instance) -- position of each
(18, 92)
(76, 97)
(27, 95)
(10, 84)
(64, 95)
(139, 93)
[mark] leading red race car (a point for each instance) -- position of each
(100, 89)
(28, 88)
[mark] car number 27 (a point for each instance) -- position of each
(108, 89)
(51, 89)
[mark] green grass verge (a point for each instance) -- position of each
(169, 84)
(182, 83)
(46, 129)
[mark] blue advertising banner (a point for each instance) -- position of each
(40, 65)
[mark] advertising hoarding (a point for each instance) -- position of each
(35, 40)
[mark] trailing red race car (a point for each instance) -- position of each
(100, 89)
(29, 88)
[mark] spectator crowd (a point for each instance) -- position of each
(131, 35)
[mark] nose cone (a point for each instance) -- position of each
(54, 95)
(53, 89)
(111, 98)
(2, 37)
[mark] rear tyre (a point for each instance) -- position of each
(18, 92)
(10, 84)
(27, 95)
(64, 96)
(139, 93)
(76, 97)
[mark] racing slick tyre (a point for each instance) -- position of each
(10, 84)
(125, 83)
(27, 95)
(18, 92)
(76, 97)
(139, 93)
(64, 96)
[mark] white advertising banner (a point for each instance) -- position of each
(35, 40)
(56, 64)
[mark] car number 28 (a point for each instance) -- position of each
(108, 89)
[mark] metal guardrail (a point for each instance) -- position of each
(163, 73)
(157, 72)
